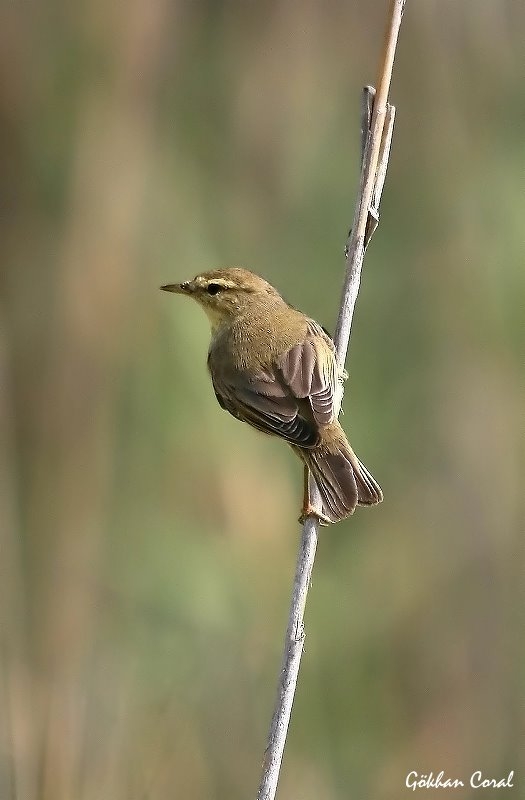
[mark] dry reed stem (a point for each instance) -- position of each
(377, 135)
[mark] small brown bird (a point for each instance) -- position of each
(275, 368)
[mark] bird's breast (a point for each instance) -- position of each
(256, 342)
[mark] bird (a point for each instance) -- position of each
(275, 368)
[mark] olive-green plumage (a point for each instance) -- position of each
(275, 368)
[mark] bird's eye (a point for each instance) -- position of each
(213, 288)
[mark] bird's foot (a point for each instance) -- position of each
(311, 511)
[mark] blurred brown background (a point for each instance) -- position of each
(148, 540)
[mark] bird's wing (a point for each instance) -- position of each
(262, 402)
(291, 399)
(309, 371)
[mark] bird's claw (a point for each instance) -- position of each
(310, 511)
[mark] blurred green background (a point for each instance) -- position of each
(148, 540)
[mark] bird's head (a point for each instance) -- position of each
(225, 293)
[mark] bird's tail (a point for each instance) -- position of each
(343, 481)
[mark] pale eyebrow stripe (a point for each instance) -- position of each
(226, 284)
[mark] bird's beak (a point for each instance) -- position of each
(178, 288)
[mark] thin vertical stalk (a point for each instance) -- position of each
(376, 149)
